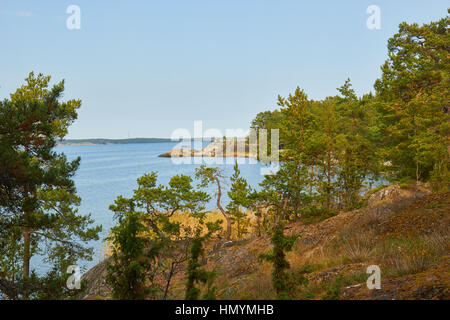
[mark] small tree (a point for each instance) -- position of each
(131, 261)
(214, 176)
(194, 273)
(281, 245)
(277, 192)
(258, 206)
(239, 196)
(148, 246)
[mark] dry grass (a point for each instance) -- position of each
(347, 254)
(358, 247)
(413, 255)
(361, 244)
(402, 239)
(187, 221)
(256, 285)
(188, 224)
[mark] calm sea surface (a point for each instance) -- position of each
(107, 171)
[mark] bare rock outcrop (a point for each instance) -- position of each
(395, 192)
(94, 282)
(226, 148)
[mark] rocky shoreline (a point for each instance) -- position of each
(226, 148)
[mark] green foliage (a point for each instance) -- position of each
(267, 120)
(281, 244)
(146, 244)
(37, 194)
(354, 148)
(53, 286)
(412, 96)
(297, 123)
(284, 193)
(328, 149)
(239, 201)
(341, 142)
(333, 291)
(132, 259)
(314, 214)
(213, 175)
(196, 275)
(307, 268)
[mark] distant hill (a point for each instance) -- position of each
(112, 141)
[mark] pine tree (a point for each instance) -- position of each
(413, 97)
(296, 125)
(195, 274)
(147, 244)
(239, 196)
(37, 193)
(355, 154)
(325, 138)
(297, 134)
(131, 264)
(281, 245)
(213, 175)
(281, 195)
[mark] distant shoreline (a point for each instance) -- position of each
(102, 141)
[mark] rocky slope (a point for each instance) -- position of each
(405, 232)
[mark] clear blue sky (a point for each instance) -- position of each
(145, 68)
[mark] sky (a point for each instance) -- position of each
(147, 68)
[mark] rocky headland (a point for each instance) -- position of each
(225, 148)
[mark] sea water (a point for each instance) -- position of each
(107, 171)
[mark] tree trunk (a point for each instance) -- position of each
(26, 258)
(171, 272)
(258, 223)
(239, 229)
(26, 240)
(26, 252)
(329, 181)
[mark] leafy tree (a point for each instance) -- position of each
(37, 194)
